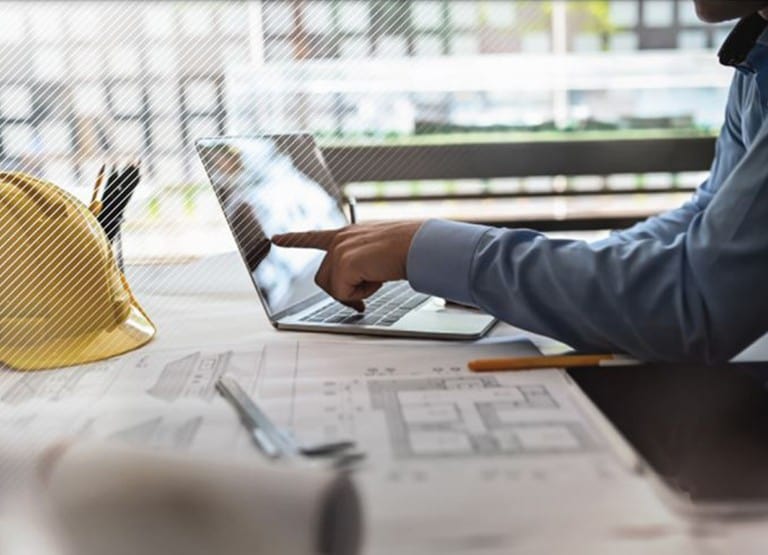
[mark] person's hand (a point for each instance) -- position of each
(359, 258)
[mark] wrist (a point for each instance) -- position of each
(441, 256)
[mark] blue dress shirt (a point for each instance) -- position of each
(689, 284)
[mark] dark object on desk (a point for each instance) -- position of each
(702, 429)
(117, 193)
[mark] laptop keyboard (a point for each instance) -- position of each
(385, 307)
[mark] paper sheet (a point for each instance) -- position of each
(457, 462)
(124, 501)
(461, 462)
(161, 399)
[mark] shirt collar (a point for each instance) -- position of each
(763, 39)
(746, 49)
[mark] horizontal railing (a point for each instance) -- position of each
(574, 158)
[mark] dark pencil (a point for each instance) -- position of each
(117, 194)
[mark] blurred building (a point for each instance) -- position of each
(87, 82)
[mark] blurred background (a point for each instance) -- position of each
(476, 110)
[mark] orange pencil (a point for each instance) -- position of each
(553, 361)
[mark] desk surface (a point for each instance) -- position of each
(212, 301)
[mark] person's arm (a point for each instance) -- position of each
(700, 296)
(729, 151)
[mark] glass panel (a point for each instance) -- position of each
(278, 17)
(84, 22)
(372, 71)
(50, 64)
(196, 21)
(427, 15)
(12, 26)
(428, 46)
(56, 138)
(658, 13)
(200, 96)
(318, 17)
(16, 102)
(19, 140)
(128, 137)
(687, 14)
(127, 99)
(464, 14)
(124, 62)
(163, 98)
(391, 46)
(354, 16)
(162, 60)
(166, 134)
(158, 20)
(90, 100)
(46, 22)
(500, 14)
(87, 63)
(624, 13)
(202, 127)
(692, 40)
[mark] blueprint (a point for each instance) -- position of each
(463, 455)
(404, 400)
(465, 417)
(441, 443)
(425, 404)
(90, 381)
(160, 399)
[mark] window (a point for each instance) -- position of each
(427, 15)
(318, 17)
(127, 99)
(86, 81)
(16, 102)
(12, 26)
(658, 13)
(354, 16)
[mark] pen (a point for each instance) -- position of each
(552, 361)
(96, 205)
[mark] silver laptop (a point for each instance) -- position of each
(275, 184)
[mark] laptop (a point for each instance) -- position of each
(279, 183)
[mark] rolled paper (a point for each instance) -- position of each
(123, 501)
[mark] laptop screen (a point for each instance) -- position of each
(269, 185)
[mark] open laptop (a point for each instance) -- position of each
(276, 184)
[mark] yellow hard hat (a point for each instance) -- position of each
(63, 300)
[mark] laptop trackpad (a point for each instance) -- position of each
(444, 319)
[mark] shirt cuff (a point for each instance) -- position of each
(440, 259)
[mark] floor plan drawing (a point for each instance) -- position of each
(84, 381)
(473, 416)
(193, 375)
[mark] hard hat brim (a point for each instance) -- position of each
(135, 331)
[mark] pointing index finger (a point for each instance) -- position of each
(306, 239)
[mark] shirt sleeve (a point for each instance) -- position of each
(728, 152)
(700, 295)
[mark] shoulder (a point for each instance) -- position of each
(740, 85)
